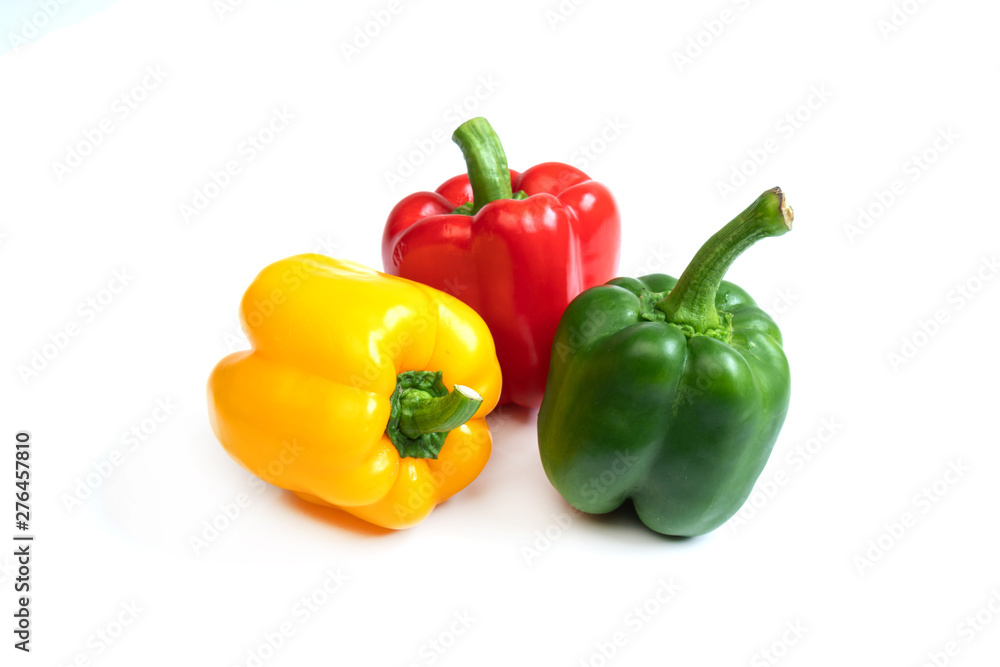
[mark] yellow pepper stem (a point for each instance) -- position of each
(423, 411)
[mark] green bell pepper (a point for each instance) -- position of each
(668, 391)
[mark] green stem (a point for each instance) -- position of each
(424, 414)
(485, 160)
(691, 303)
(422, 411)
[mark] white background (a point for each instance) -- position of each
(540, 585)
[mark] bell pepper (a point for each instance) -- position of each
(517, 247)
(361, 391)
(669, 392)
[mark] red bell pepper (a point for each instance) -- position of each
(517, 247)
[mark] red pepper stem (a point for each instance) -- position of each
(485, 161)
(691, 303)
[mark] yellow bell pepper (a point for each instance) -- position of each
(362, 391)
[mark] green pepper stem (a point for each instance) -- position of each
(485, 161)
(691, 303)
(423, 413)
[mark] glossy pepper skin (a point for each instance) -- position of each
(669, 392)
(517, 247)
(335, 400)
